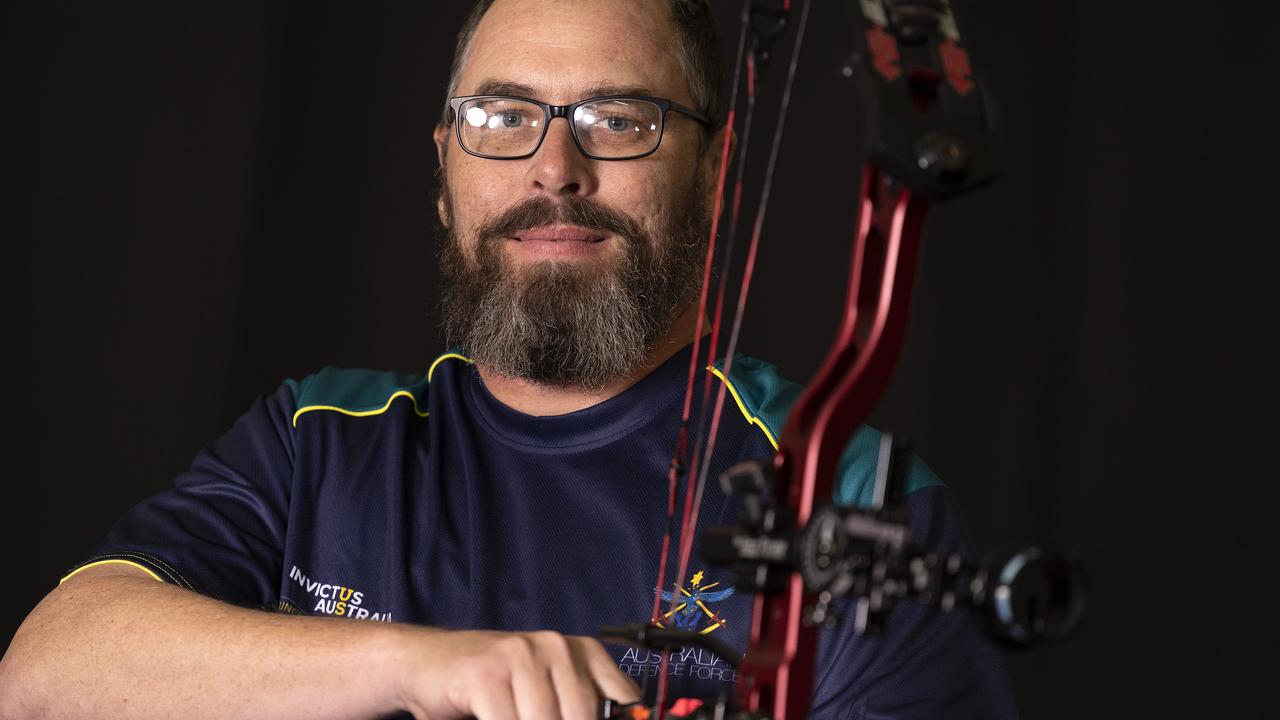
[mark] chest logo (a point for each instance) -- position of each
(692, 609)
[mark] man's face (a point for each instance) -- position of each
(558, 268)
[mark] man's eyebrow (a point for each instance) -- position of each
(600, 89)
(504, 87)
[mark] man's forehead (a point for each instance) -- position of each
(561, 51)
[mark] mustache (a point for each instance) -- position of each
(540, 211)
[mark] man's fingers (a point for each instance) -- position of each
(519, 676)
(531, 680)
(611, 681)
(575, 687)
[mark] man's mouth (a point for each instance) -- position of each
(559, 241)
(559, 234)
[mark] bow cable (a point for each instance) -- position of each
(701, 461)
(678, 464)
(729, 244)
(690, 526)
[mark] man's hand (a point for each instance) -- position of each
(508, 676)
(113, 642)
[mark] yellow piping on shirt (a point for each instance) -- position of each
(362, 413)
(115, 561)
(379, 411)
(742, 406)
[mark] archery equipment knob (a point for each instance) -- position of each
(915, 20)
(943, 156)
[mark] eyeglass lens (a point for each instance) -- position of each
(612, 128)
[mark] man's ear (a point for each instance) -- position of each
(713, 158)
(441, 135)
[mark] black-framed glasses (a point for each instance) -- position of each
(615, 127)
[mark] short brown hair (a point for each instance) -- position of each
(697, 52)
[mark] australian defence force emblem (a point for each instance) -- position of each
(692, 610)
(691, 607)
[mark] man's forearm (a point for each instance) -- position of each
(112, 643)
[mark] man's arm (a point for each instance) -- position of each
(113, 642)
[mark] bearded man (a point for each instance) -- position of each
(493, 512)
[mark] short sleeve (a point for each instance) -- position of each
(220, 530)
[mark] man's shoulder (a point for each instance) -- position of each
(762, 394)
(765, 398)
(360, 392)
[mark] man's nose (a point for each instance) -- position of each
(559, 168)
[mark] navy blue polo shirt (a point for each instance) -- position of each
(423, 499)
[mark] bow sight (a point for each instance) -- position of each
(869, 556)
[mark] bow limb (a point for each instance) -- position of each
(779, 667)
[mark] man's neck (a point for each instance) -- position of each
(535, 399)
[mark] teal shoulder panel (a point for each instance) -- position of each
(857, 470)
(762, 393)
(766, 399)
(356, 392)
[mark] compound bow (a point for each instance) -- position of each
(930, 138)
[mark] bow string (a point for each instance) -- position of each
(694, 466)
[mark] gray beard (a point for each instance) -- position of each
(562, 323)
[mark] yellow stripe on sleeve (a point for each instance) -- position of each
(115, 561)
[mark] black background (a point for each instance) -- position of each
(206, 198)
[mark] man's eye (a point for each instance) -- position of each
(617, 124)
(512, 119)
